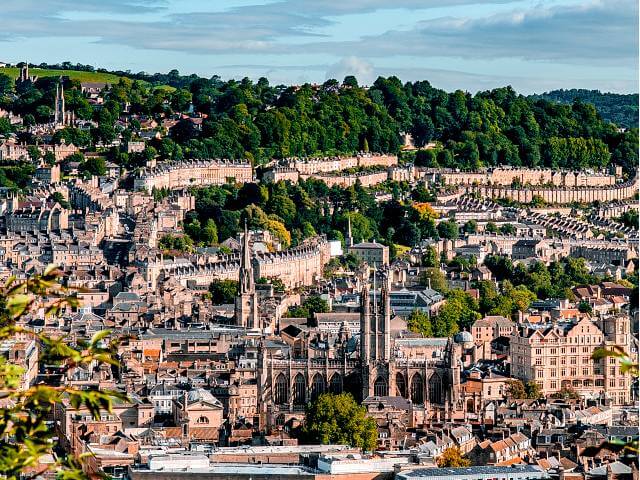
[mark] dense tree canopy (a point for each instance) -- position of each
(338, 419)
(259, 121)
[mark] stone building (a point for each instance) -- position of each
(371, 252)
(559, 355)
(368, 365)
(193, 173)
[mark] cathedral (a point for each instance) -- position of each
(304, 361)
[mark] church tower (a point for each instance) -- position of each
(375, 337)
(246, 308)
(59, 106)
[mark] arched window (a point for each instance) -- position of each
(435, 389)
(380, 387)
(401, 386)
(202, 419)
(280, 420)
(336, 383)
(299, 390)
(417, 389)
(471, 407)
(318, 386)
(281, 394)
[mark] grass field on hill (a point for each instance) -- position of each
(73, 74)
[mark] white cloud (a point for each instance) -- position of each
(605, 31)
(360, 68)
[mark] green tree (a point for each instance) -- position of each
(585, 307)
(434, 277)
(459, 311)
(515, 389)
(49, 158)
(180, 243)
(567, 393)
(452, 457)
(6, 84)
(94, 166)
(210, 233)
(24, 414)
(419, 322)
(5, 125)
(338, 419)
(58, 197)
(533, 390)
(430, 258)
(311, 305)
(471, 226)
(34, 153)
(223, 291)
(448, 229)
(507, 229)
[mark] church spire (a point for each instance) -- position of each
(246, 305)
(349, 240)
(246, 269)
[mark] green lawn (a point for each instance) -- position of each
(73, 74)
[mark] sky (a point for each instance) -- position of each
(532, 45)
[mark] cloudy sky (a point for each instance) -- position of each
(533, 45)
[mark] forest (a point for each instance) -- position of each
(621, 109)
(259, 121)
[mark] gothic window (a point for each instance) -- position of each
(417, 389)
(471, 408)
(299, 390)
(435, 389)
(336, 383)
(202, 419)
(281, 395)
(380, 387)
(318, 386)
(401, 386)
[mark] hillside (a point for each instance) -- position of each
(621, 109)
(72, 74)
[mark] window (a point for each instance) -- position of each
(554, 384)
(573, 360)
(202, 420)
(612, 382)
(585, 371)
(553, 361)
(538, 351)
(538, 361)
(574, 372)
(281, 390)
(380, 387)
(540, 374)
(612, 370)
(417, 389)
(573, 349)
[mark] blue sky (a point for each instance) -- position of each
(533, 45)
